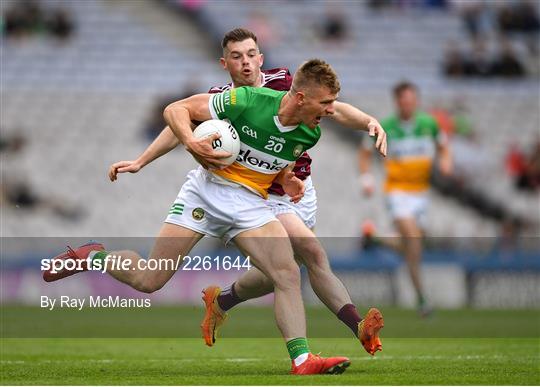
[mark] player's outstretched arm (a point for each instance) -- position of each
(351, 117)
(179, 115)
(164, 143)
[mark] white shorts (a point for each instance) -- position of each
(408, 205)
(305, 209)
(223, 211)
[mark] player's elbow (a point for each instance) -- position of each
(172, 110)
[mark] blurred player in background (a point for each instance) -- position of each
(414, 142)
(242, 59)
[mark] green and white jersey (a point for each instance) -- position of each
(411, 149)
(266, 146)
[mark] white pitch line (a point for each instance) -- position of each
(253, 360)
(431, 357)
(179, 360)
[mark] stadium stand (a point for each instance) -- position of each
(103, 82)
(123, 56)
(82, 105)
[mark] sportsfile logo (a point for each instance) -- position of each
(255, 160)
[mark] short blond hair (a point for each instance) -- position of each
(316, 72)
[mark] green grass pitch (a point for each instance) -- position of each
(495, 347)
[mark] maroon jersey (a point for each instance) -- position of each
(279, 79)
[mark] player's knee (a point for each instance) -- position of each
(318, 261)
(411, 235)
(147, 286)
(412, 239)
(314, 258)
(287, 277)
(410, 231)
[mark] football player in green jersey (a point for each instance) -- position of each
(416, 143)
(243, 61)
(227, 207)
(295, 119)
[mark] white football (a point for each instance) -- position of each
(229, 141)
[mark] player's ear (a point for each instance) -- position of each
(223, 63)
(300, 98)
(261, 60)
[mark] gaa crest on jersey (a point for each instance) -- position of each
(250, 132)
(198, 213)
(297, 151)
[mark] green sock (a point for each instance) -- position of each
(297, 347)
(100, 256)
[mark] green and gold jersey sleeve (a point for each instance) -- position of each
(429, 121)
(438, 135)
(230, 104)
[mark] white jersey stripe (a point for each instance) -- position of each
(213, 112)
(219, 98)
(218, 103)
(273, 77)
(266, 78)
(280, 74)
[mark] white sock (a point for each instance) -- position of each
(300, 359)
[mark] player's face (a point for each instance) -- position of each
(316, 102)
(407, 103)
(243, 61)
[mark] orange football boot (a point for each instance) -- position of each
(368, 331)
(214, 316)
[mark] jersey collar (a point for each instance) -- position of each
(277, 122)
(283, 129)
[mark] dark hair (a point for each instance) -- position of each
(402, 86)
(237, 35)
(316, 72)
